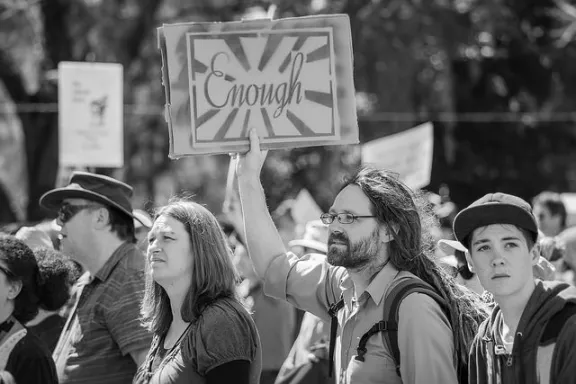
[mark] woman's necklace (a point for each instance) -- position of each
(169, 345)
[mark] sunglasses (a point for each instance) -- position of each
(68, 211)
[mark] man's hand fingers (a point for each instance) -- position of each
(254, 141)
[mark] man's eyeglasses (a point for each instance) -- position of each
(68, 211)
(343, 218)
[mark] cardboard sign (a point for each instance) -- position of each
(90, 103)
(290, 79)
(408, 153)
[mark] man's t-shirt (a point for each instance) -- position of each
(106, 327)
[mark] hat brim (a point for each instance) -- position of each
(312, 244)
(141, 218)
(449, 246)
(52, 200)
(483, 215)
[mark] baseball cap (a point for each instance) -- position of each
(495, 208)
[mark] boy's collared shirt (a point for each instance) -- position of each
(424, 335)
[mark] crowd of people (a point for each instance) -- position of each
(388, 286)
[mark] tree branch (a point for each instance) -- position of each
(12, 79)
(57, 40)
(140, 30)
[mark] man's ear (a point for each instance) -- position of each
(14, 289)
(469, 261)
(102, 218)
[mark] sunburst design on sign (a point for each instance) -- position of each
(281, 82)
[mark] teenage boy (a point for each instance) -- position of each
(531, 335)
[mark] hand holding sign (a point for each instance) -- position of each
(250, 164)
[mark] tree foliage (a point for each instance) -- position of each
(496, 78)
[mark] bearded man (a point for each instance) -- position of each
(377, 237)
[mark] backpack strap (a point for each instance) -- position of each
(389, 326)
(556, 323)
(333, 312)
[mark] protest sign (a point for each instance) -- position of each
(408, 153)
(290, 79)
(90, 103)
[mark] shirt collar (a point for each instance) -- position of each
(376, 289)
(109, 265)
(379, 285)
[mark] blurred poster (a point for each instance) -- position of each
(290, 79)
(407, 153)
(91, 110)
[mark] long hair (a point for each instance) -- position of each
(213, 274)
(399, 208)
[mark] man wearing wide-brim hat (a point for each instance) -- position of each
(103, 341)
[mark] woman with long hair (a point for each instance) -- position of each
(202, 332)
(22, 292)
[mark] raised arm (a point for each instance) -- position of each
(262, 238)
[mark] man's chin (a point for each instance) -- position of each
(336, 259)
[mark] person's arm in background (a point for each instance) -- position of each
(262, 238)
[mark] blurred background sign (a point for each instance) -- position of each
(408, 153)
(91, 114)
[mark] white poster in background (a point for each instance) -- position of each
(90, 103)
(305, 208)
(408, 153)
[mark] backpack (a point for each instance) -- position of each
(389, 326)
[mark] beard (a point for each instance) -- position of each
(341, 253)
